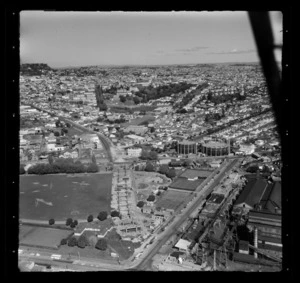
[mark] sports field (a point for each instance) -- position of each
(41, 236)
(62, 196)
(172, 199)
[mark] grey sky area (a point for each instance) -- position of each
(63, 39)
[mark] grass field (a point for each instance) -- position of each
(41, 236)
(63, 196)
(172, 199)
(184, 184)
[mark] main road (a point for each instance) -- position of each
(145, 261)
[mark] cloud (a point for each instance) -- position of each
(233, 51)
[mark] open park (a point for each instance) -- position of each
(62, 196)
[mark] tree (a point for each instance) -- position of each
(163, 169)
(122, 98)
(69, 221)
(136, 100)
(90, 218)
(93, 240)
(68, 125)
(149, 167)
(102, 215)
(151, 198)
(75, 222)
(101, 245)
(94, 159)
(50, 159)
(153, 155)
(82, 241)
(115, 214)
(57, 123)
(140, 204)
(72, 242)
(22, 169)
(63, 242)
(172, 173)
(51, 221)
(64, 130)
(92, 168)
(56, 133)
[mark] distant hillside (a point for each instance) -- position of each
(34, 69)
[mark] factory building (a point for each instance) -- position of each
(265, 220)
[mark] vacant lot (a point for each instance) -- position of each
(63, 196)
(41, 236)
(172, 199)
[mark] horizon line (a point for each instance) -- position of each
(137, 65)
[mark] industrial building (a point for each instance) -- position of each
(265, 220)
(251, 194)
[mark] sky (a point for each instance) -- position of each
(63, 39)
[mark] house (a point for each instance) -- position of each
(136, 139)
(134, 152)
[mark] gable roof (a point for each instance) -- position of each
(253, 192)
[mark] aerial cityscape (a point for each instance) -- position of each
(163, 154)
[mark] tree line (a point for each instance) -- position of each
(62, 165)
(150, 92)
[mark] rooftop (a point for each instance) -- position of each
(253, 192)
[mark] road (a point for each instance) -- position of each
(145, 262)
(104, 140)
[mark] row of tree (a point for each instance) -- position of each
(149, 92)
(63, 165)
(163, 169)
(83, 242)
(100, 98)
